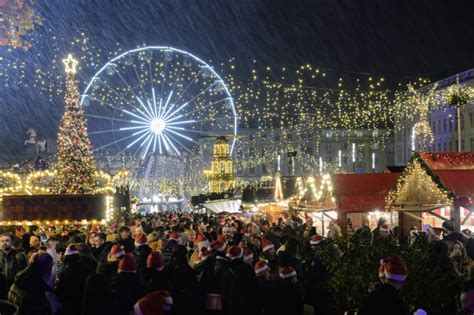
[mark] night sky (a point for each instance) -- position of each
(398, 39)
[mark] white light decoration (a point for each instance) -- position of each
(373, 160)
(109, 208)
(320, 165)
(413, 138)
(339, 158)
(354, 152)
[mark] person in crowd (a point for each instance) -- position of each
(467, 297)
(12, 261)
(289, 293)
(125, 286)
(102, 248)
(35, 245)
(155, 303)
(7, 308)
(450, 234)
(109, 268)
(25, 238)
(240, 286)
(125, 239)
(91, 239)
(71, 281)
(98, 298)
(170, 245)
(460, 259)
(153, 277)
(86, 257)
(386, 295)
(268, 255)
(287, 258)
(28, 291)
(142, 250)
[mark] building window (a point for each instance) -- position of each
(439, 126)
(471, 120)
(439, 147)
(252, 170)
(445, 144)
(375, 146)
(451, 146)
(359, 133)
(277, 137)
(344, 146)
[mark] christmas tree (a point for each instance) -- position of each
(76, 166)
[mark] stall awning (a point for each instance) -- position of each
(224, 205)
(362, 192)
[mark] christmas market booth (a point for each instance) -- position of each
(433, 188)
(355, 198)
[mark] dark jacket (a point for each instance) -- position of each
(317, 286)
(285, 298)
(289, 259)
(109, 270)
(240, 289)
(126, 289)
(184, 289)
(28, 292)
(101, 252)
(153, 280)
(141, 254)
(386, 298)
(70, 286)
(212, 276)
(10, 264)
(128, 244)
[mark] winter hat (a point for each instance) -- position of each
(173, 236)
(221, 238)
(235, 252)
(266, 244)
(260, 267)
(218, 246)
(384, 228)
(127, 264)
(287, 272)
(315, 240)
(395, 268)
(94, 229)
(140, 239)
(248, 254)
(201, 241)
(155, 261)
(71, 250)
(150, 304)
(116, 251)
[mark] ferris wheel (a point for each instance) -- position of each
(157, 101)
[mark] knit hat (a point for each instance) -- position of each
(395, 268)
(127, 264)
(201, 241)
(218, 246)
(315, 240)
(287, 272)
(260, 267)
(248, 254)
(221, 238)
(71, 250)
(150, 304)
(173, 236)
(155, 261)
(266, 244)
(235, 252)
(116, 251)
(140, 239)
(384, 228)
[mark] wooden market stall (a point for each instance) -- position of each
(434, 187)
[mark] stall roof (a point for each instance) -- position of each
(362, 192)
(448, 160)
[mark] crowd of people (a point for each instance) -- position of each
(184, 263)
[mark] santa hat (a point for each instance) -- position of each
(127, 264)
(155, 261)
(172, 235)
(218, 246)
(315, 240)
(221, 238)
(384, 228)
(395, 268)
(150, 304)
(201, 241)
(287, 272)
(71, 250)
(94, 229)
(266, 244)
(260, 267)
(235, 252)
(116, 251)
(248, 254)
(140, 239)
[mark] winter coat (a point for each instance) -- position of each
(289, 259)
(317, 279)
(141, 254)
(10, 264)
(28, 292)
(126, 289)
(154, 280)
(102, 252)
(213, 274)
(284, 297)
(240, 289)
(70, 287)
(184, 289)
(385, 297)
(109, 269)
(128, 244)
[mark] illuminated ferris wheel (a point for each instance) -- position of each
(157, 100)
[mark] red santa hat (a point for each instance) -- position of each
(221, 238)
(116, 251)
(287, 272)
(384, 228)
(155, 303)
(201, 241)
(260, 267)
(155, 261)
(248, 254)
(395, 268)
(315, 240)
(218, 246)
(235, 252)
(94, 229)
(266, 244)
(71, 250)
(172, 235)
(127, 264)
(140, 239)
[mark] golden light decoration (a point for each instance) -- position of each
(31, 185)
(70, 64)
(15, 184)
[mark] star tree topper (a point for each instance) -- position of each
(70, 64)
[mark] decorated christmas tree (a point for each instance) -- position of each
(76, 166)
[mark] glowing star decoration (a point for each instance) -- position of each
(70, 64)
